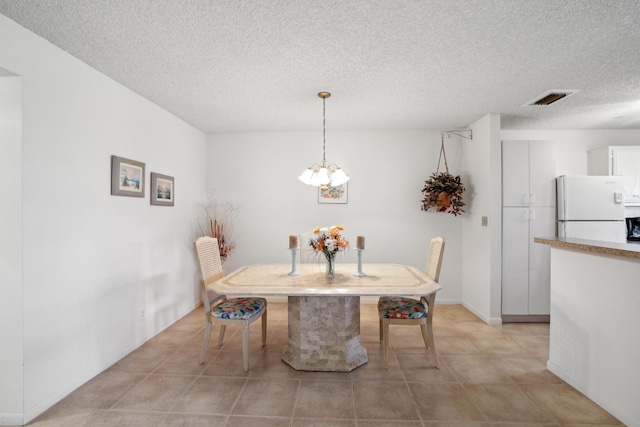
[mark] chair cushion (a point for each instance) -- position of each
(401, 308)
(239, 308)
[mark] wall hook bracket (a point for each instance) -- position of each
(462, 133)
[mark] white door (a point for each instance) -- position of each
(626, 163)
(515, 173)
(542, 173)
(515, 260)
(542, 224)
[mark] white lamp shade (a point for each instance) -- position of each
(306, 176)
(321, 177)
(338, 177)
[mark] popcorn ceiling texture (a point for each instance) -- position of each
(248, 65)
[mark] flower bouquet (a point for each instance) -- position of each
(329, 241)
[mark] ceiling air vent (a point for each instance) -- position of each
(549, 97)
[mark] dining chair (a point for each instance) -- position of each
(307, 254)
(396, 310)
(222, 311)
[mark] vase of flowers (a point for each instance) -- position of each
(329, 241)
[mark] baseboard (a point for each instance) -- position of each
(7, 419)
(525, 318)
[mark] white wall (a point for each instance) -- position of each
(11, 356)
(572, 145)
(93, 262)
(481, 291)
(597, 354)
(258, 172)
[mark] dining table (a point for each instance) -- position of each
(324, 311)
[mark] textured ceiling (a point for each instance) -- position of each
(250, 65)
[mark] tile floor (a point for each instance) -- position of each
(489, 376)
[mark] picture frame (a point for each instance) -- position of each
(334, 195)
(127, 177)
(162, 189)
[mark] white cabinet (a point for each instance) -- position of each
(528, 211)
(621, 160)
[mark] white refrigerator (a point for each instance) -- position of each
(591, 207)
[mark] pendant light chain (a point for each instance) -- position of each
(324, 175)
(324, 130)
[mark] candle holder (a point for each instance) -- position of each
(294, 272)
(359, 273)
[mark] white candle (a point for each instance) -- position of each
(360, 242)
(293, 241)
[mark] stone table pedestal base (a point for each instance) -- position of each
(324, 334)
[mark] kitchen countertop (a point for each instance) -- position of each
(627, 250)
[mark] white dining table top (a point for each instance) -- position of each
(273, 280)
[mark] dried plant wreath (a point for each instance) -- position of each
(443, 191)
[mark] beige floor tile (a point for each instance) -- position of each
(536, 345)
(155, 393)
(103, 391)
(565, 405)
(417, 368)
(476, 369)
(309, 422)
(235, 421)
(193, 420)
(384, 400)
(170, 338)
(230, 363)
(267, 397)
(184, 362)
(455, 312)
(386, 423)
(211, 395)
(456, 345)
(193, 321)
(442, 402)
(59, 416)
(325, 399)
(483, 370)
(142, 361)
(499, 346)
(270, 365)
(525, 370)
(124, 418)
(505, 403)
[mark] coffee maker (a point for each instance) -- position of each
(633, 229)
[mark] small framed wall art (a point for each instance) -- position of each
(127, 177)
(162, 189)
(334, 195)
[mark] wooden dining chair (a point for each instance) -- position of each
(307, 254)
(395, 310)
(222, 311)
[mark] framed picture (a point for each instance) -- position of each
(334, 195)
(162, 189)
(127, 177)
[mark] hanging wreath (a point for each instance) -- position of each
(443, 191)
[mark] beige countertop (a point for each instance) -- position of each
(627, 250)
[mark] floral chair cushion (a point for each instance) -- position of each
(401, 308)
(238, 308)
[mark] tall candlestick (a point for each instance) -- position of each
(293, 241)
(360, 242)
(294, 271)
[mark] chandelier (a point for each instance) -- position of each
(324, 175)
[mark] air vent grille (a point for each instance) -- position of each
(549, 97)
